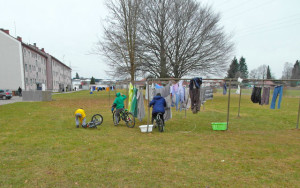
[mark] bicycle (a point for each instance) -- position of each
(126, 116)
(96, 120)
(159, 122)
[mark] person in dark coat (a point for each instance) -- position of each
(159, 104)
(20, 91)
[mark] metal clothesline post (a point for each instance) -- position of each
(240, 102)
(298, 116)
(228, 104)
(148, 119)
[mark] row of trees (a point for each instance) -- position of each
(163, 38)
(291, 71)
(238, 69)
(261, 72)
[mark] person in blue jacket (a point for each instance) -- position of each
(159, 104)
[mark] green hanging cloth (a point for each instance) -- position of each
(133, 108)
(130, 93)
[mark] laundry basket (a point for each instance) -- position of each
(144, 128)
(219, 126)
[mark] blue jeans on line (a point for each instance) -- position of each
(278, 90)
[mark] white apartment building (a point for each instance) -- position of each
(31, 68)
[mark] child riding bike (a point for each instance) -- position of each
(159, 104)
(119, 105)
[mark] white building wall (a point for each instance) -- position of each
(11, 69)
(61, 76)
(35, 69)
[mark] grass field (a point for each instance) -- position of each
(40, 146)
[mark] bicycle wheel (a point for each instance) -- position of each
(129, 119)
(161, 126)
(97, 119)
(115, 123)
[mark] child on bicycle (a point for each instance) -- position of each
(159, 104)
(119, 105)
(80, 116)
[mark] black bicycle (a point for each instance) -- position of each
(96, 120)
(126, 116)
(159, 123)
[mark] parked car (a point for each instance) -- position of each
(5, 94)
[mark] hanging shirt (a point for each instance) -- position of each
(181, 91)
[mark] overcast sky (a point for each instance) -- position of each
(264, 31)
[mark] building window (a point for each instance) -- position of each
(26, 67)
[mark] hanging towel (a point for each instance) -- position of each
(140, 105)
(238, 91)
(130, 94)
(133, 108)
(168, 111)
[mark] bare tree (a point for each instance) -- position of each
(183, 38)
(155, 37)
(259, 73)
(287, 70)
(119, 44)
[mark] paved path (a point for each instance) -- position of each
(12, 100)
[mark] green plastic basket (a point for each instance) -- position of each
(220, 126)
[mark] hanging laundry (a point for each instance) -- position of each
(130, 94)
(187, 100)
(238, 91)
(158, 86)
(165, 93)
(278, 90)
(140, 105)
(256, 95)
(265, 96)
(181, 94)
(194, 86)
(168, 111)
(133, 108)
(209, 93)
(224, 89)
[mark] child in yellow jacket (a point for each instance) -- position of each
(80, 116)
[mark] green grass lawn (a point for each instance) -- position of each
(40, 146)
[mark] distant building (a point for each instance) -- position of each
(27, 66)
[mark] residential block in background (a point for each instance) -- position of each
(27, 66)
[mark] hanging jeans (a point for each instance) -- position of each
(278, 90)
(224, 89)
(195, 100)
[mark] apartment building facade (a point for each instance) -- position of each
(27, 66)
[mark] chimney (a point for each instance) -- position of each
(5, 31)
(43, 50)
(19, 38)
(34, 44)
